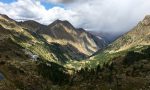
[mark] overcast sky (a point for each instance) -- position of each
(114, 16)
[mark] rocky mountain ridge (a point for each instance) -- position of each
(33, 57)
(64, 33)
(58, 37)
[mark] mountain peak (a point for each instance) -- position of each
(61, 22)
(146, 20)
(31, 22)
(81, 29)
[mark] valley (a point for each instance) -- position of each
(59, 56)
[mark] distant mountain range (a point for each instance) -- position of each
(108, 37)
(61, 57)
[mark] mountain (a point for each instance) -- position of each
(54, 57)
(123, 65)
(106, 36)
(136, 39)
(138, 36)
(63, 33)
(58, 42)
(32, 55)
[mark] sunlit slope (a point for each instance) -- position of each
(37, 44)
(135, 40)
(20, 69)
(139, 35)
(63, 33)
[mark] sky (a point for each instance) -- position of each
(112, 16)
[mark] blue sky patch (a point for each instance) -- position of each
(7, 1)
(49, 5)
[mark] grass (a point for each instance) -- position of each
(101, 59)
(38, 45)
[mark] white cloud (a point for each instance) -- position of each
(29, 9)
(22, 9)
(114, 16)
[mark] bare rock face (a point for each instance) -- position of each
(59, 41)
(64, 33)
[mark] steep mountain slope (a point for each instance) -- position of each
(58, 42)
(63, 33)
(39, 57)
(139, 35)
(25, 39)
(29, 61)
(136, 39)
(123, 65)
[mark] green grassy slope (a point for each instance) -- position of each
(113, 68)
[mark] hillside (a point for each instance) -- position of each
(32, 55)
(59, 41)
(135, 39)
(123, 65)
(139, 35)
(63, 33)
(54, 57)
